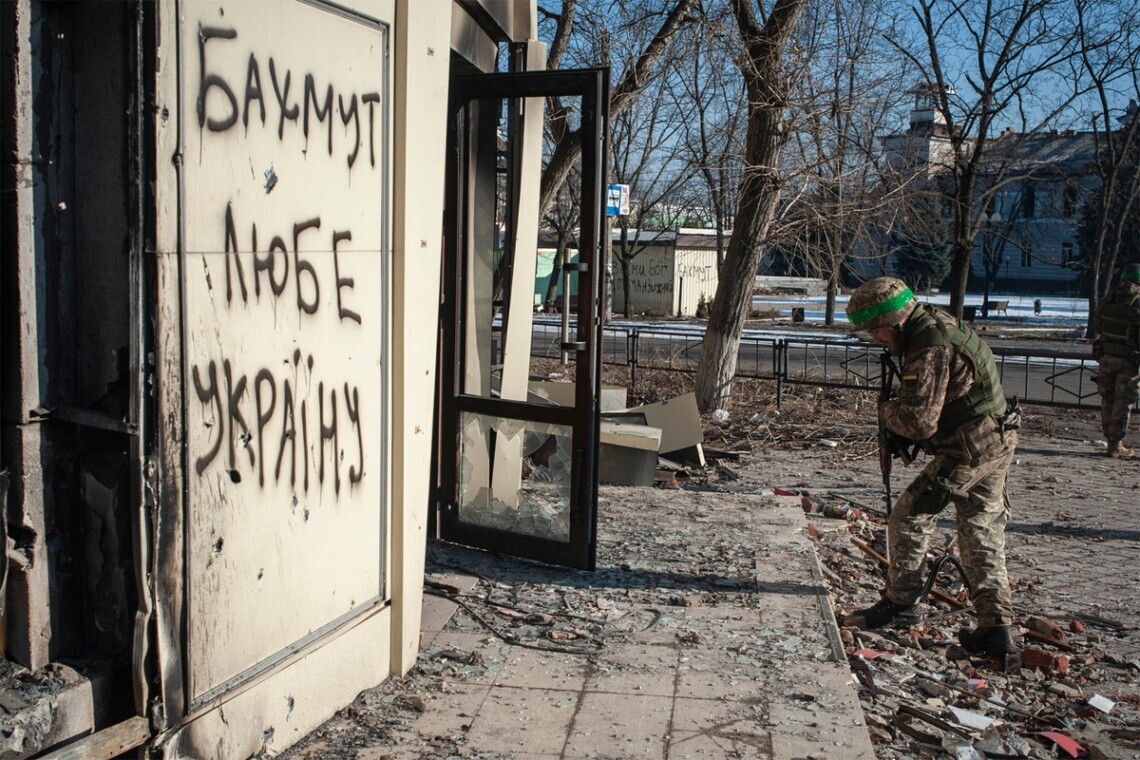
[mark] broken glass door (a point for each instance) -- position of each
(516, 462)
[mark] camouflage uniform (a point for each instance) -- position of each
(1117, 349)
(949, 400)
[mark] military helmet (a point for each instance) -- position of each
(1131, 273)
(881, 302)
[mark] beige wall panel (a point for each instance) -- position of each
(469, 41)
(507, 474)
(422, 60)
(651, 282)
(270, 715)
(169, 586)
(678, 420)
(696, 277)
(286, 317)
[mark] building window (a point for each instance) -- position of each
(1027, 255)
(1028, 201)
(1070, 204)
(1066, 254)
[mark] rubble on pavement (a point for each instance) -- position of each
(922, 694)
(1073, 690)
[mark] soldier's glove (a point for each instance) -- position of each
(1011, 420)
(900, 447)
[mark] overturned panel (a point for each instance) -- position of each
(613, 397)
(679, 420)
(285, 289)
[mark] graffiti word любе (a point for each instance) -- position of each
(306, 282)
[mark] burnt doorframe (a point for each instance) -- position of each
(77, 336)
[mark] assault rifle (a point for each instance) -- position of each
(891, 445)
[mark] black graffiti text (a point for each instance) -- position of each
(301, 99)
(255, 424)
(272, 266)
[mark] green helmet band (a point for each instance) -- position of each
(886, 307)
(1131, 273)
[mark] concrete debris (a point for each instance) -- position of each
(27, 698)
(1045, 628)
(1077, 622)
(1057, 664)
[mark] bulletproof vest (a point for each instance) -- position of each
(928, 327)
(1117, 332)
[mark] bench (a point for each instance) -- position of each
(991, 307)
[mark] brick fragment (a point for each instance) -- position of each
(1046, 628)
(1046, 661)
(1076, 626)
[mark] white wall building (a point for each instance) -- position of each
(670, 273)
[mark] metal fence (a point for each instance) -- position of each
(1037, 376)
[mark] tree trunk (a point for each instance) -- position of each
(730, 307)
(569, 145)
(832, 293)
(561, 259)
(759, 194)
(961, 250)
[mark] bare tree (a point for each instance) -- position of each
(562, 218)
(636, 69)
(711, 94)
(1109, 43)
(768, 87)
(849, 97)
(982, 63)
(647, 154)
(996, 232)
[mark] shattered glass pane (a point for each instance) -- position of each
(515, 476)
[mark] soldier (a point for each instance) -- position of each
(950, 401)
(1117, 348)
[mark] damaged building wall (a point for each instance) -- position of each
(295, 289)
(263, 285)
(284, 299)
(66, 286)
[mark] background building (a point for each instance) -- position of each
(1029, 239)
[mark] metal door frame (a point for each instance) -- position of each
(592, 86)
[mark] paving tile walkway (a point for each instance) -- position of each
(718, 642)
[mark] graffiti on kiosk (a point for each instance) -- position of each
(277, 405)
(242, 402)
(319, 427)
(656, 287)
(288, 100)
(264, 266)
(696, 272)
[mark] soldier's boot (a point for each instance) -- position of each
(987, 639)
(882, 614)
(1118, 450)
